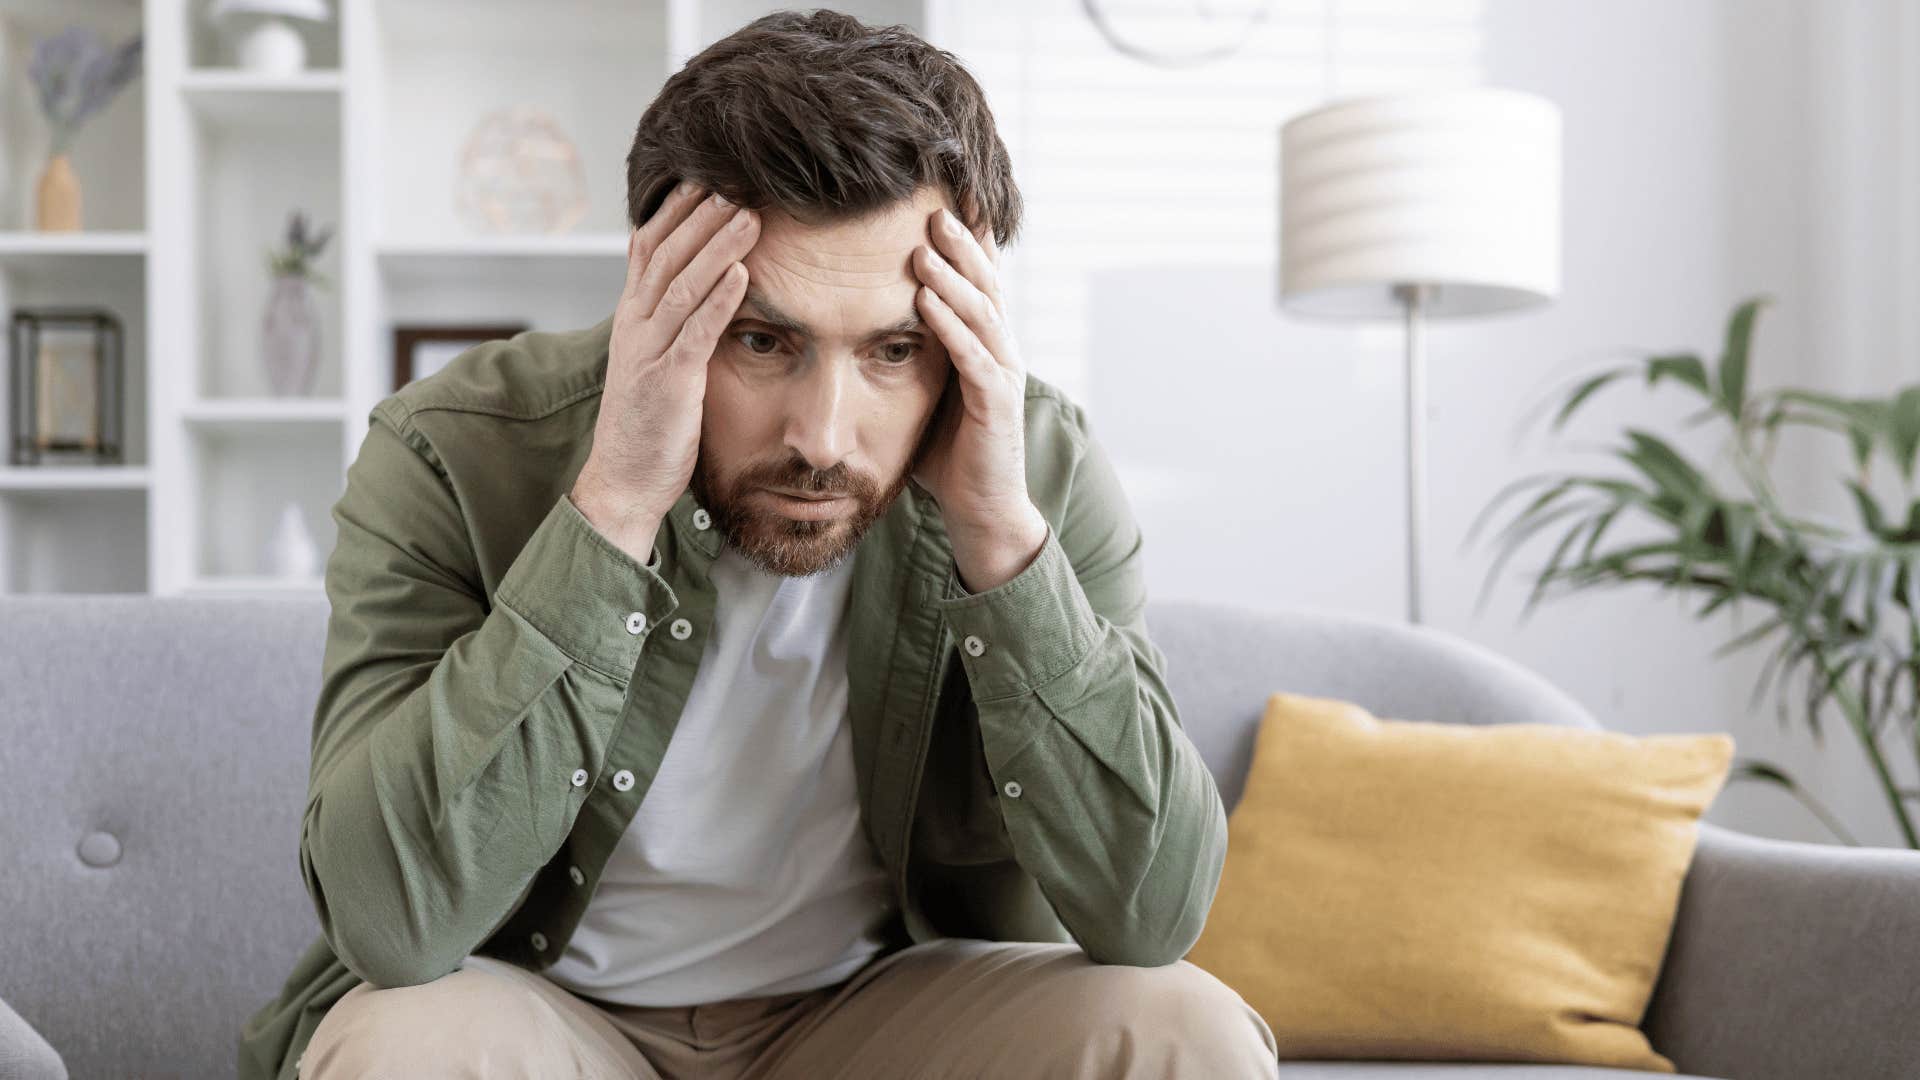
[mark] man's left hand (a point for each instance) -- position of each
(975, 465)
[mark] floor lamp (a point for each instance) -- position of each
(1436, 204)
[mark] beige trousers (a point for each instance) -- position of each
(953, 1007)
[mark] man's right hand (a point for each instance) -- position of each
(684, 283)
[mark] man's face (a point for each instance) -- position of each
(823, 388)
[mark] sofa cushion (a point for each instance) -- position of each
(24, 1055)
(1400, 889)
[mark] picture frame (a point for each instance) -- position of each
(66, 377)
(421, 349)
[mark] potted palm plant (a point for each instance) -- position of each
(1840, 602)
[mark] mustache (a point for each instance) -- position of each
(797, 475)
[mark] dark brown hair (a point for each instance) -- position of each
(825, 118)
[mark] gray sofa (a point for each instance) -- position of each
(155, 766)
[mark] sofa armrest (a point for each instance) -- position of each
(1792, 960)
(23, 1053)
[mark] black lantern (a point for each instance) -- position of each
(66, 386)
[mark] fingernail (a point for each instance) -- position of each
(721, 200)
(740, 221)
(947, 219)
(686, 187)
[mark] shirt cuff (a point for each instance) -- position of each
(584, 593)
(1023, 633)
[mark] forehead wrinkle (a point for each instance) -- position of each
(836, 254)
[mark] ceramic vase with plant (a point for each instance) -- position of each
(75, 74)
(290, 329)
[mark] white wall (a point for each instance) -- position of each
(1688, 185)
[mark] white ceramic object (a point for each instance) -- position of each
(272, 47)
(291, 552)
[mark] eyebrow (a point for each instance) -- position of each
(773, 316)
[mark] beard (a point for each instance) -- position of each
(782, 545)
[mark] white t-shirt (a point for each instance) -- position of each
(746, 870)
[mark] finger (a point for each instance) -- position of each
(645, 240)
(700, 334)
(963, 250)
(692, 285)
(970, 357)
(965, 298)
(984, 237)
(679, 248)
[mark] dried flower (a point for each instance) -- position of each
(76, 75)
(301, 249)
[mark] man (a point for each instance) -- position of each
(755, 684)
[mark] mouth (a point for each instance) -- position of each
(806, 507)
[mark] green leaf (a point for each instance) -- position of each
(1748, 637)
(1864, 421)
(1742, 530)
(1870, 514)
(1903, 423)
(1662, 464)
(1511, 489)
(1766, 772)
(1547, 575)
(1681, 367)
(1584, 391)
(1733, 362)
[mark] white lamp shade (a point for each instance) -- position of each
(1458, 190)
(311, 10)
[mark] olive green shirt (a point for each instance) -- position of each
(492, 661)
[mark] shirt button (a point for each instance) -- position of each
(681, 629)
(578, 877)
(1012, 789)
(636, 622)
(974, 645)
(623, 781)
(701, 520)
(539, 941)
(579, 778)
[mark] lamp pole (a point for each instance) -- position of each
(1414, 299)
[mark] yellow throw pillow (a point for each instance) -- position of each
(1398, 889)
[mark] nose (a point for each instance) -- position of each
(820, 424)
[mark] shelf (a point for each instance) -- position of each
(248, 583)
(58, 478)
(242, 100)
(264, 410)
(553, 245)
(30, 243)
(235, 80)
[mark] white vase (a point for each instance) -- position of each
(290, 337)
(273, 47)
(291, 552)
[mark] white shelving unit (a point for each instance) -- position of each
(188, 178)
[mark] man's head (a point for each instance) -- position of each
(845, 138)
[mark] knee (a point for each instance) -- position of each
(1177, 1016)
(463, 1022)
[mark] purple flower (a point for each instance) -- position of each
(76, 74)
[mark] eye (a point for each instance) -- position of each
(900, 352)
(758, 342)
